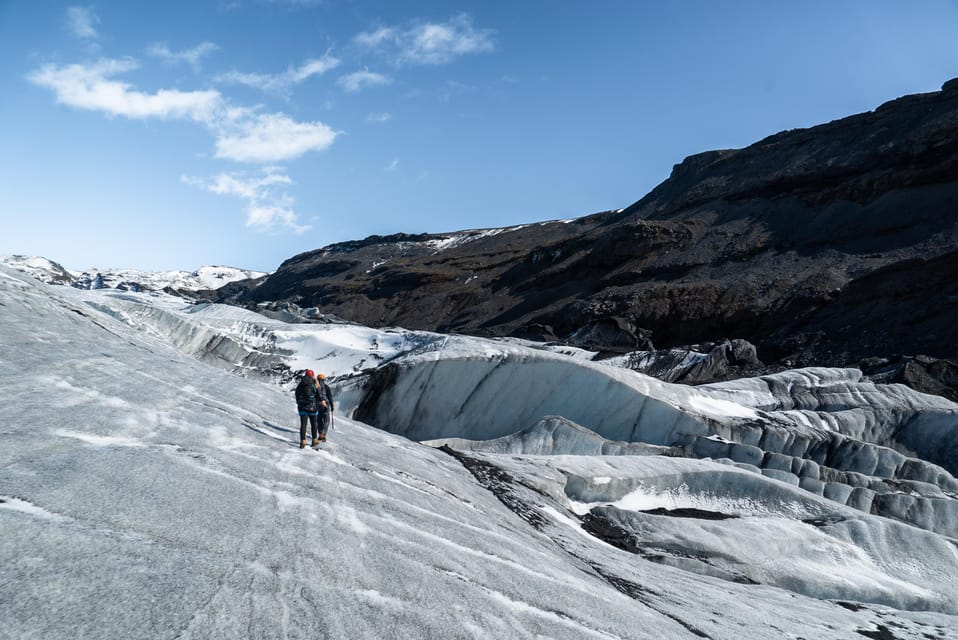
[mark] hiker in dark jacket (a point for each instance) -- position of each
(308, 404)
(326, 406)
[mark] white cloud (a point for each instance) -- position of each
(359, 80)
(312, 67)
(264, 217)
(238, 184)
(376, 38)
(267, 206)
(392, 166)
(81, 21)
(90, 87)
(282, 82)
(256, 80)
(379, 117)
(432, 43)
(271, 137)
(429, 42)
(189, 56)
(242, 134)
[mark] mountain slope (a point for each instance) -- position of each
(799, 243)
(149, 494)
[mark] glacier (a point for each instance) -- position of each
(151, 486)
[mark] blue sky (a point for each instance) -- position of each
(173, 134)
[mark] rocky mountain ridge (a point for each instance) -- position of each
(827, 245)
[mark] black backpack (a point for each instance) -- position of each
(303, 396)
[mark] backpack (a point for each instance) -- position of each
(305, 396)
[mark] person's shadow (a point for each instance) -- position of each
(276, 427)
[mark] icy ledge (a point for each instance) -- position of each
(727, 523)
(823, 430)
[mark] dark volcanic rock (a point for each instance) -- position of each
(610, 334)
(536, 332)
(824, 245)
(923, 373)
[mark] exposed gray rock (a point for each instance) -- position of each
(695, 364)
(293, 313)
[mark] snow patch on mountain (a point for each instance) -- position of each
(39, 268)
(458, 239)
(204, 278)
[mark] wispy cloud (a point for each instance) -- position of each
(379, 117)
(428, 42)
(91, 87)
(268, 205)
(281, 82)
(392, 166)
(359, 80)
(241, 184)
(242, 134)
(81, 22)
(190, 56)
(377, 37)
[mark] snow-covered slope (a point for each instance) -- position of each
(250, 343)
(147, 494)
(39, 268)
(207, 277)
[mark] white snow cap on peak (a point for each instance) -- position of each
(206, 277)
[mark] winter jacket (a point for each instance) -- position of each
(307, 397)
(327, 394)
(321, 397)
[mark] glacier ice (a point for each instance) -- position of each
(148, 491)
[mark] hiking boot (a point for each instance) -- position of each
(322, 438)
(302, 444)
(315, 441)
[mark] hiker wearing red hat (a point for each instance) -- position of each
(307, 403)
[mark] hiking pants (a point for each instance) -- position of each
(312, 418)
(323, 421)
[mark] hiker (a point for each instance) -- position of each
(307, 403)
(326, 406)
